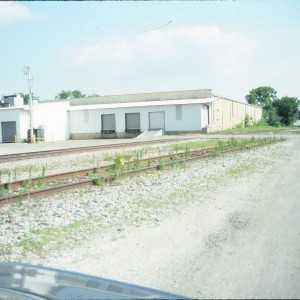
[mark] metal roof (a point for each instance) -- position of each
(141, 104)
(128, 98)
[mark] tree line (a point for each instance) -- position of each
(60, 96)
(73, 94)
(276, 111)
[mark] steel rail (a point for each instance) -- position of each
(263, 131)
(49, 191)
(56, 152)
(52, 178)
(94, 170)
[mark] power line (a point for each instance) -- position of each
(155, 28)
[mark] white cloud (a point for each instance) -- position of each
(208, 46)
(11, 11)
(118, 52)
(182, 58)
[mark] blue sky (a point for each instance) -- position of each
(116, 47)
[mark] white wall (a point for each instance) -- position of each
(53, 117)
(89, 121)
(190, 121)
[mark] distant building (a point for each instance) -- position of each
(126, 116)
(12, 100)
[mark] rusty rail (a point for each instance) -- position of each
(198, 154)
(94, 170)
(56, 152)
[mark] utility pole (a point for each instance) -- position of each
(27, 72)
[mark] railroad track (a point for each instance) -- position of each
(93, 170)
(264, 131)
(106, 176)
(57, 152)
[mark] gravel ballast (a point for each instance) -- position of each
(33, 167)
(38, 231)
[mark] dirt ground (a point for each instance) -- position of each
(241, 242)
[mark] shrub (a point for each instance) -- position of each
(287, 109)
(272, 117)
(248, 121)
(98, 181)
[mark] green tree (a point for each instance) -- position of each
(69, 95)
(77, 94)
(287, 109)
(26, 97)
(262, 96)
(63, 95)
(94, 95)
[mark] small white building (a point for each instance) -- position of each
(52, 118)
(125, 116)
(12, 100)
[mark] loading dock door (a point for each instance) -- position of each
(9, 131)
(108, 123)
(157, 120)
(133, 122)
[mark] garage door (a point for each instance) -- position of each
(157, 120)
(132, 121)
(108, 123)
(9, 131)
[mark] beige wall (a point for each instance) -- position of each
(227, 114)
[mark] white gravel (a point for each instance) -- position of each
(38, 231)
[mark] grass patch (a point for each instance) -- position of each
(179, 195)
(242, 169)
(5, 249)
(99, 181)
(40, 239)
(255, 128)
(186, 147)
(234, 172)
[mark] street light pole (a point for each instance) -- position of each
(30, 81)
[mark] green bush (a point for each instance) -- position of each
(287, 109)
(272, 117)
(248, 121)
(98, 181)
(261, 122)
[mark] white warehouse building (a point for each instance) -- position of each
(52, 118)
(125, 116)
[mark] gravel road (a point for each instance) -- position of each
(223, 228)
